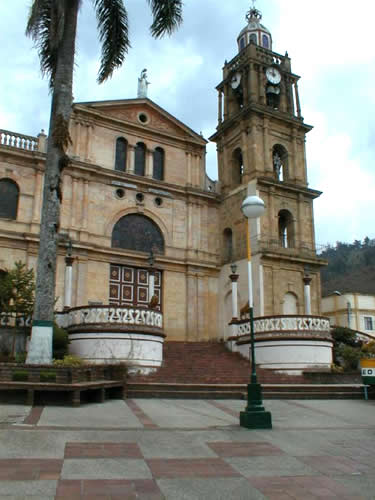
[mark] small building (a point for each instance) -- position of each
(352, 310)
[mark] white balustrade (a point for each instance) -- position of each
(19, 141)
(115, 315)
(285, 325)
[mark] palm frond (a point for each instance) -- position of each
(112, 20)
(39, 29)
(167, 16)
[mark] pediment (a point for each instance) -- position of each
(158, 120)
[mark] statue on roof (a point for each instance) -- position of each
(143, 84)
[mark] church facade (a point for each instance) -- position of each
(136, 198)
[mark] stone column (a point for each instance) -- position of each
(37, 196)
(131, 159)
(220, 109)
(68, 282)
(234, 278)
(307, 281)
(149, 163)
(298, 104)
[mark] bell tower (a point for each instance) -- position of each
(260, 141)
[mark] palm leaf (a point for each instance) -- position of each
(112, 20)
(167, 16)
(40, 29)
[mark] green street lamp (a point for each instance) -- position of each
(254, 416)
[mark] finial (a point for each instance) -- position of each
(253, 13)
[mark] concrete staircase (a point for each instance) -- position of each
(207, 370)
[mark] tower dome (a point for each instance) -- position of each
(254, 32)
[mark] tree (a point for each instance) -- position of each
(52, 25)
(17, 297)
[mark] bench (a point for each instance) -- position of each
(101, 388)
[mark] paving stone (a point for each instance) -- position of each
(198, 467)
(269, 466)
(120, 468)
(208, 489)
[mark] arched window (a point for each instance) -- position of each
(242, 43)
(140, 159)
(290, 304)
(253, 38)
(227, 245)
(286, 229)
(121, 154)
(137, 232)
(265, 42)
(9, 194)
(238, 169)
(280, 162)
(158, 171)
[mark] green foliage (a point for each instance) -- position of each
(17, 292)
(20, 357)
(20, 376)
(343, 335)
(48, 376)
(351, 267)
(60, 342)
(368, 350)
(69, 360)
(350, 356)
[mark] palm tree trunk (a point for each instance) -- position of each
(40, 350)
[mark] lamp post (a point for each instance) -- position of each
(254, 416)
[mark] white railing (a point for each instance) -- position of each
(276, 325)
(12, 320)
(19, 141)
(110, 315)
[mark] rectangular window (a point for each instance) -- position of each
(369, 323)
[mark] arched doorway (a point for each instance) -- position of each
(130, 285)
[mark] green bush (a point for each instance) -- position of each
(60, 342)
(20, 376)
(48, 376)
(368, 350)
(349, 355)
(20, 357)
(69, 360)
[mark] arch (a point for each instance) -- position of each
(9, 196)
(253, 38)
(140, 159)
(139, 233)
(227, 245)
(290, 303)
(237, 166)
(121, 154)
(265, 41)
(280, 162)
(286, 229)
(158, 167)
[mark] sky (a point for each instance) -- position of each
(331, 47)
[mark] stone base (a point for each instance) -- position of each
(256, 419)
(40, 346)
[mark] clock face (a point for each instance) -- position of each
(235, 81)
(273, 75)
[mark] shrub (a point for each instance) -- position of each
(368, 350)
(60, 342)
(350, 356)
(20, 357)
(20, 376)
(69, 360)
(48, 376)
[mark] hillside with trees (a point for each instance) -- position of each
(351, 267)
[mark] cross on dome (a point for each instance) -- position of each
(253, 13)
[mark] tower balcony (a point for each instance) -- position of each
(287, 247)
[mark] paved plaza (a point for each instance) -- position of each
(187, 450)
